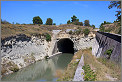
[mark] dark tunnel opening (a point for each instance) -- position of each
(65, 45)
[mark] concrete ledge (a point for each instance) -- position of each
(79, 71)
(55, 54)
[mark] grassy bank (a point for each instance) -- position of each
(105, 71)
(115, 68)
(96, 69)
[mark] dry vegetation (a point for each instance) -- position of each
(11, 30)
(9, 66)
(103, 72)
(112, 28)
(29, 29)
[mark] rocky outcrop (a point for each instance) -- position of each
(20, 51)
(84, 42)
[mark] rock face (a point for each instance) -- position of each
(84, 42)
(20, 51)
(107, 45)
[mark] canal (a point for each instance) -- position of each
(44, 70)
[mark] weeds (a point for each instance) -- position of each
(108, 52)
(89, 74)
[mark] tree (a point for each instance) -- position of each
(77, 20)
(68, 22)
(81, 23)
(86, 23)
(17, 23)
(102, 29)
(74, 18)
(118, 5)
(49, 21)
(54, 23)
(5, 22)
(12, 22)
(37, 20)
(93, 26)
(76, 23)
(104, 22)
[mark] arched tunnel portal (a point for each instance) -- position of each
(65, 45)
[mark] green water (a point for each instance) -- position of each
(44, 70)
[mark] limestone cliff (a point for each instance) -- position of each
(20, 51)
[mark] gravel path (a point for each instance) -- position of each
(79, 71)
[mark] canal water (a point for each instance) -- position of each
(44, 70)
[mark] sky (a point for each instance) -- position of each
(60, 11)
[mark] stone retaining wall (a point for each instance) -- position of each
(107, 41)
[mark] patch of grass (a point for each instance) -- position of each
(115, 68)
(101, 66)
(98, 68)
(89, 74)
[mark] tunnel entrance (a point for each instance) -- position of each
(65, 46)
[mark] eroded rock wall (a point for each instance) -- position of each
(20, 51)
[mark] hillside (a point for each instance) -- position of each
(28, 29)
(114, 28)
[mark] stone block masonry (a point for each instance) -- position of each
(106, 41)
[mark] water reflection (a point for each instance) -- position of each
(45, 70)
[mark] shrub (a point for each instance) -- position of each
(46, 57)
(14, 69)
(70, 32)
(89, 74)
(90, 48)
(48, 37)
(102, 29)
(109, 52)
(78, 31)
(5, 22)
(86, 31)
(54, 23)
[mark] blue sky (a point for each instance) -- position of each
(60, 11)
